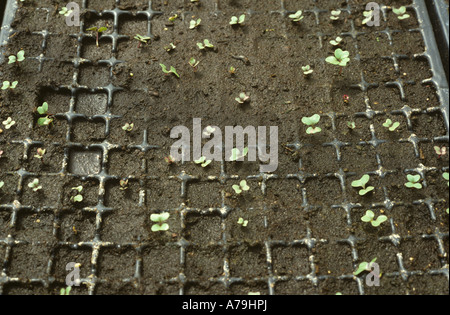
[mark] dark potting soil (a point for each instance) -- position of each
(305, 234)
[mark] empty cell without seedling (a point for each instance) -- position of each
(82, 162)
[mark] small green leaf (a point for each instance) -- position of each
(368, 217)
(43, 109)
(413, 178)
(237, 189)
(102, 29)
(361, 268)
(12, 59)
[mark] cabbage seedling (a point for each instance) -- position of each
(391, 125)
(351, 125)
(237, 20)
(8, 85)
(35, 185)
(236, 154)
(401, 13)
(362, 183)
(123, 184)
(169, 160)
(368, 16)
(307, 70)
(194, 63)
(98, 30)
(77, 197)
(312, 122)
(128, 127)
(195, 24)
(243, 98)
(170, 47)
(160, 219)
(43, 110)
(370, 216)
(40, 154)
(340, 58)
(232, 70)
(142, 39)
(203, 161)
(65, 291)
(445, 176)
(337, 41)
(8, 123)
(206, 44)
(241, 187)
(297, 16)
(440, 151)
(16, 59)
(64, 11)
(364, 266)
(242, 222)
(172, 70)
(414, 181)
(335, 15)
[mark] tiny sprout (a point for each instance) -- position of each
(64, 11)
(297, 16)
(40, 154)
(241, 187)
(8, 123)
(8, 85)
(43, 110)
(169, 160)
(2, 183)
(194, 63)
(391, 125)
(172, 70)
(340, 58)
(242, 222)
(369, 217)
(440, 151)
(232, 70)
(123, 184)
(414, 181)
(208, 131)
(368, 16)
(206, 44)
(173, 17)
(16, 59)
(142, 39)
(65, 291)
(335, 15)
(194, 23)
(236, 154)
(364, 266)
(346, 98)
(243, 98)
(401, 13)
(77, 194)
(128, 127)
(307, 70)
(203, 161)
(160, 219)
(35, 185)
(337, 41)
(362, 183)
(311, 122)
(351, 125)
(445, 176)
(98, 30)
(170, 47)
(235, 20)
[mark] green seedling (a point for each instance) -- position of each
(401, 13)
(243, 98)
(123, 183)
(307, 70)
(367, 16)
(242, 222)
(169, 160)
(206, 44)
(98, 31)
(445, 176)
(160, 219)
(370, 216)
(414, 181)
(208, 131)
(232, 70)
(172, 70)
(237, 155)
(64, 11)
(170, 47)
(340, 58)
(297, 16)
(391, 125)
(351, 125)
(362, 183)
(173, 17)
(335, 15)
(142, 39)
(241, 187)
(128, 127)
(237, 20)
(8, 85)
(203, 162)
(40, 154)
(65, 291)
(18, 58)
(337, 41)
(35, 185)
(440, 151)
(8, 123)
(364, 266)
(312, 122)
(2, 183)
(194, 63)
(76, 194)
(195, 24)
(43, 110)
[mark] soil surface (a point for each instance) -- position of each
(305, 234)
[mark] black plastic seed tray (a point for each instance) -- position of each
(305, 234)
